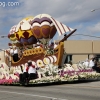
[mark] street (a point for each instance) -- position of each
(70, 91)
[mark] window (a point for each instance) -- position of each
(68, 58)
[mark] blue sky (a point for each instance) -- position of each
(74, 13)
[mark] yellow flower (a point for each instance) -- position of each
(46, 61)
(40, 63)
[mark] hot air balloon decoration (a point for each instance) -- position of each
(23, 32)
(12, 33)
(43, 28)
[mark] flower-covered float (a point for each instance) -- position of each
(33, 36)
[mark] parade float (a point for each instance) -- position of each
(33, 36)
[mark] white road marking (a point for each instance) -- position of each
(51, 98)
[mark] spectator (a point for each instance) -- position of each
(96, 67)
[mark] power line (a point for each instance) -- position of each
(86, 35)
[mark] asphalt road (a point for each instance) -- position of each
(76, 91)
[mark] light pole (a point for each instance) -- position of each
(3, 36)
(94, 9)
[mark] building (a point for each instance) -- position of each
(79, 50)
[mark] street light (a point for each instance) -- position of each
(3, 36)
(94, 9)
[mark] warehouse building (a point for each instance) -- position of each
(79, 50)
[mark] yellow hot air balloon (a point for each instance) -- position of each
(23, 32)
